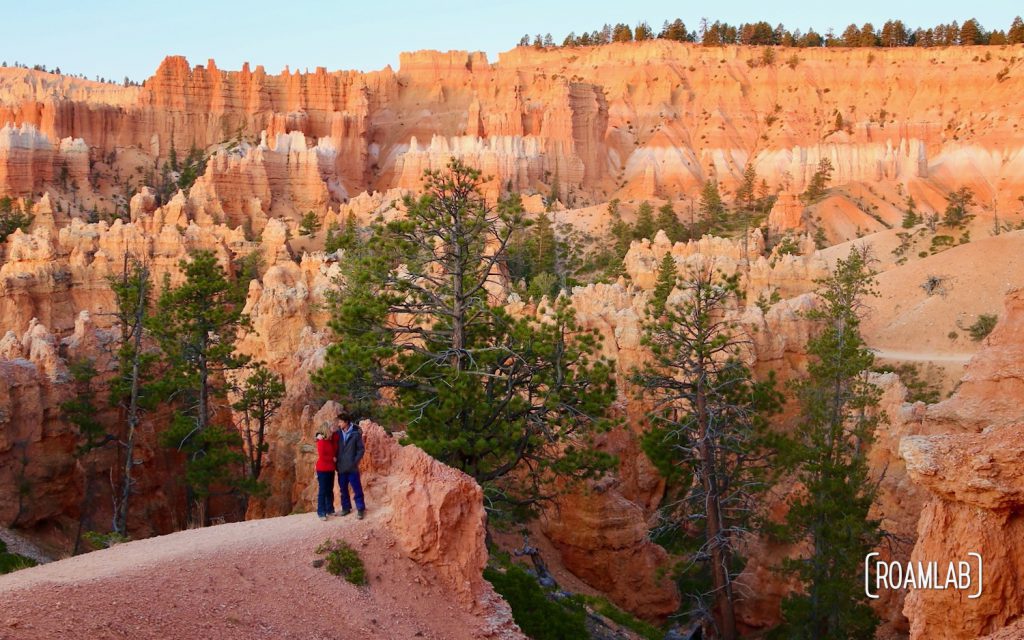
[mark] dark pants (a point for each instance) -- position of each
(325, 497)
(344, 479)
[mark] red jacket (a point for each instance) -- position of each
(325, 453)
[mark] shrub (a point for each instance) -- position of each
(11, 561)
(620, 617)
(12, 217)
(919, 387)
(536, 614)
(99, 540)
(340, 559)
(309, 224)
(983, 326)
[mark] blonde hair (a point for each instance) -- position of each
(323, 430)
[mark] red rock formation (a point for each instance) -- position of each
(639, 119)
(976, 485)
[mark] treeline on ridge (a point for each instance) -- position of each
(894, 33)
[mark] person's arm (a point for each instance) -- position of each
(360, 448)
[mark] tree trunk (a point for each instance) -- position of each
(724, 612)
(121, 513)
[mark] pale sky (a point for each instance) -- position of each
(115, 38)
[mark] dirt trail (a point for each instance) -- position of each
(922, 356)
(242, 580)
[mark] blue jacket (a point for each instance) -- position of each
(350, 451)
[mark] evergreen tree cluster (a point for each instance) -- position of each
(514, 402)
(893, 33)
(13, 216)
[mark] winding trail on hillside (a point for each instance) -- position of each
(252, 579)
(921, 356)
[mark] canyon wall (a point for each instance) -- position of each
(631, 121)
(627, 120)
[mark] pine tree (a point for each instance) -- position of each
(706, 433)
(91, 434)
(958, 205)
(345, 239)
(839, 412)
(12, 217)
(132, 388)
(309, 224)
(668, 275)
(668, 222)
(851, 36)
(745, 192)
(622, 33)
(259, 398)
(644, 227)
(196, 325)
(910, 216)
(513, 402)
(1015, 34)
(621, 231)
(971, 33)
(712, 208)
(818, 185)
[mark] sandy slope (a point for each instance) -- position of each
(243, 580)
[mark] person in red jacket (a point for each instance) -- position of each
(325, 455)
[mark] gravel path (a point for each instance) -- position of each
(922, 356)
(249, 579)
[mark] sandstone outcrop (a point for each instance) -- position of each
(973, 475)
(636, 120)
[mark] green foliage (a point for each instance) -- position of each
(983, 326)
(818, 185)
(514, 402)
(745, 197)
(309, 224)
(533, 256)
(919, 389)
(340, 559)
(10, 562)
(644, 227)
(12, 217)
(539, 617)
(708, 421)
(80, 409)
(195, 166)
(788, 246)
(213, 453)
(764, 303)
(828, 455)
(345, 239)
(910, 216)
(195, 325)
(175, 175)
(99, 540)
(258, 400)
(668, 222)
(668, 274)
(820, 239)
(605, 608)
(712, 209)
(248, 268)
(958, 205)
(940, 243)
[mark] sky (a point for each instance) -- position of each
(117, 39)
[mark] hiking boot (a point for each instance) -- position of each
(323, 518)
(344, 512)
(361, 514)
